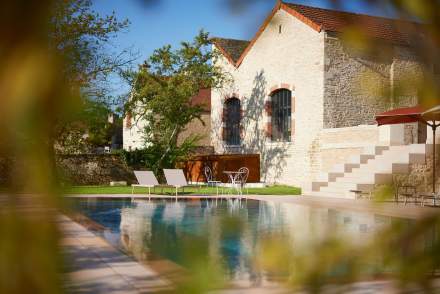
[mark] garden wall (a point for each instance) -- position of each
(91, 169)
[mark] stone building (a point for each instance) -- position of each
(304, 100)
(133, 134)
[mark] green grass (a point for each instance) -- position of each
(272, 190)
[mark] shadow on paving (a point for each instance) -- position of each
(96, 267)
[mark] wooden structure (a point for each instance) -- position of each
(194, 167)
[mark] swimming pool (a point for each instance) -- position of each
(228, 233)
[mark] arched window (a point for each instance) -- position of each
(232, 121)
(281, 107)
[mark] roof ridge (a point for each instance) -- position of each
(353, 13)
(232, 39)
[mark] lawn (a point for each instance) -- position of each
(272, 190)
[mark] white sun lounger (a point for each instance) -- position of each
(175, 178)
(145, 179)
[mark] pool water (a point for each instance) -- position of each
(228, 233)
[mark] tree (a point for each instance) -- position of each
(162, 91)
(91, 128)
(81, 37)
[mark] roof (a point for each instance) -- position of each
(231, 48)
(203, 98)
(393, 30)
(390, 30)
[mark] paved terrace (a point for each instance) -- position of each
(97, 267)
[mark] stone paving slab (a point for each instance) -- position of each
(97, 267)
(385, 208)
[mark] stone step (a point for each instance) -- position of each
(367, 179)
(349, 186)
(379, 168)
(374, 150)
(329, 177)
(329, 195)
(376, 165)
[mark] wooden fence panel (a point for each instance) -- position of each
(194, 168)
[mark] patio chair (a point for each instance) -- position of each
(175, 178)
(435, 197)
(145, 179)
(407, 192)
(244, 174)
(210, 178)
(361, 194)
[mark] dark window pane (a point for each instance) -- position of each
(281, 115)
(232, 121)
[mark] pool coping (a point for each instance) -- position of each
(98, 267)
(361, 205)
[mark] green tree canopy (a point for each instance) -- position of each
(161, 95)
(82, 37)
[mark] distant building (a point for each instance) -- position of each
(133, 128)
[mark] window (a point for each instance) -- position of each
(281, 107)
(232, 121)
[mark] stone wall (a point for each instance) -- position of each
(357, 87)
(93, 169)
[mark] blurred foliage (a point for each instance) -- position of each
(419, 22)
(33, 95)
(162, 92)
(50, 58)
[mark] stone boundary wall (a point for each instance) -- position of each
(91, 169)
(338, 145)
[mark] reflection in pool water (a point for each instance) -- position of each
(227, 232)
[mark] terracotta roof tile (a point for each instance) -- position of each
(391, 30)
(396, 31)
(232, 47)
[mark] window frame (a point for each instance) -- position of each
(281, 115)
(232, 121)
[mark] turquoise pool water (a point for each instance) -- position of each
(227, 232)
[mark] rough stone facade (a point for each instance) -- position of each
(357, 87)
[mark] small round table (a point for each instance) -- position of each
(233, 177)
